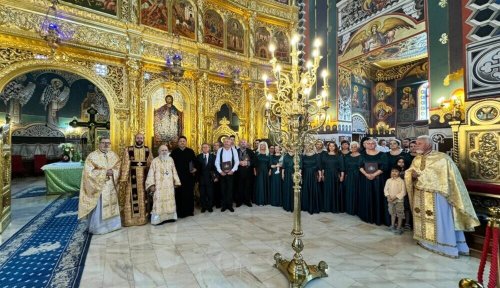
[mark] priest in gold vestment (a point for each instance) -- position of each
(441, 206)
(162, 179)
(135, 163)
(98, 193)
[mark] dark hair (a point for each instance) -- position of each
(396, 168)
(206, 143)
(334, 145)
(182, 137)
(232, 136)
(413, 141)
(407, 139)
(344, 141)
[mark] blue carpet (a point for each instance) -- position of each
(30, 192)
(49, 251)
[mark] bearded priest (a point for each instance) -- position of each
(161, 181)
(135, 162)
(98, 192)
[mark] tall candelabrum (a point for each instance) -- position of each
(290, 109)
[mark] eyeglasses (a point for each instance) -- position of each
(106, 143)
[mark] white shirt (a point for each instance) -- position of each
(227, 155)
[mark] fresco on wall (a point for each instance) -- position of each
(183, 19)
(382, 91)
(378, 33)
(262, 39)
(344, 95)
(213, 28)
(360, 97)
(282, 52)
(406, 103)
(53, 98)
(154, 13)
(105, 6)
(235, 35)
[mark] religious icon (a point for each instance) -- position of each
(355, 96)
(262, 39)
(282, 52)
(373, 6)
(377, 35)
(407, 100)
(364, 101)
(382, 91)
(154, 13)
(54, 98)
(183, 20)
(213, 28)
(235, 35)
(382, 110)
(168, 122)
(105, 6)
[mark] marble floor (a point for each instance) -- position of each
(236, 250)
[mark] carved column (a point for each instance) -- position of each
(251, 34)
(251, 115)
(120, 141)
(200, 20)
(136, 105)
(203, 110)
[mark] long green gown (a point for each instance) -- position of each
(333, 199)
(287, 186)
(351, 181)
(263, 165)
(310, 186)
(275, 182)
(372, 202)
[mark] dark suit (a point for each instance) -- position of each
(206, 172)
(243, 191)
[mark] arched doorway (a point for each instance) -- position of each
(41, 103)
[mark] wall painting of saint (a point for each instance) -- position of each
(262, 39)
(235, 36)
(213, 28)
(183, 19)
(282, 52)
(105, 6)
(154, 13)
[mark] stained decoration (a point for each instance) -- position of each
(213, 28)
(183, 19)
(235, 35)
(262, 40)
(154, 13)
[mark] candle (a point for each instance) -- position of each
(324, 74)
(264, 78)
(272, 48)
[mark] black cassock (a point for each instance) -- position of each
(184, 195)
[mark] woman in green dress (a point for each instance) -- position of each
(352, 179)
(275, 178)
(262, 172)
(372, 202)
(310, 168)
(287, 185)
(332, 174)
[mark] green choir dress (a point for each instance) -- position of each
(263, 164)
(372, 202)
(287, 185)
(275, 182)
(332, 199)
(351, 183)
(310, 189)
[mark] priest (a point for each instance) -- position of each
(441, 206)
(184, 159)
(98, 192)
(135, 162)
(161, 180)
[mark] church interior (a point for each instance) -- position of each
(73, 72)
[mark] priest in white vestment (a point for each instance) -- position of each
(162, 179)
(98, 192)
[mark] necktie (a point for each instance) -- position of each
(206, 159)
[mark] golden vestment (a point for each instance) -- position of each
(163, 175)
(135, 164)
(437, 174)
(95, 183)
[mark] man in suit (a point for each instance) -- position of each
(206, 175)
(243, 194)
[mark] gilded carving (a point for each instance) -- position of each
(487, 156)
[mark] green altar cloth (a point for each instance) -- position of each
(63, 177)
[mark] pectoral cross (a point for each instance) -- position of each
(92, 125)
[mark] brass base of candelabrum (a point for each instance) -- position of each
(298, 272)
(469, 283)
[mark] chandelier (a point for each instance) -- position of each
(290, 111)
(173, 67)
(52, 29)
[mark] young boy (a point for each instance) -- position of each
(395, 192)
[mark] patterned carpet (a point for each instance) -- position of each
(30, 192)
(49, 251)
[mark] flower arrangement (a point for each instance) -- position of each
(70, 153)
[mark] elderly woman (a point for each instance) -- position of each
(352, 178)
(372, 204)
(310, 167)
(332, 165)
(262, 172)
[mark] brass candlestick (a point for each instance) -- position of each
(293, 111)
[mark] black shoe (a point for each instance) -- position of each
(231, 209)
(223, 209)
(203, 210)
(217, 206)
(238, 205)
(249, 204)
(210, 210)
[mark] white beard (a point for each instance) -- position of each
(163, 157)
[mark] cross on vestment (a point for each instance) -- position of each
(92, 125)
